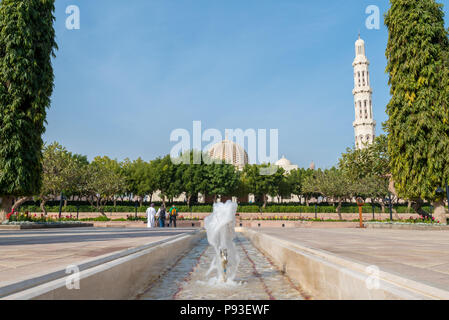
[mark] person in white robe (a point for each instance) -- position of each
(151, 214)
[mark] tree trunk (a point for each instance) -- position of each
(44, 210)
(307, 201)
(339, 209)
(6, 206)
(101, 206)
(140, 201)
(65, 203)
(21, 201)
(264, 201)
(440, 212)
(417, 206)
(188, 201)
(115, 202)
(382, 206)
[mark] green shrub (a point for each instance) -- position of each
(248, 209)
(100, 219)
(201, 209)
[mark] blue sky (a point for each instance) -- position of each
(136, 70)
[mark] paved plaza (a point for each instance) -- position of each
(419, 255)
(28, 254)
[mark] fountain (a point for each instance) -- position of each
(225, 266)
(220, 228)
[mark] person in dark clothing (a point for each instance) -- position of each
(161, 216)
(173, 215)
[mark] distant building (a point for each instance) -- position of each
(286, 164)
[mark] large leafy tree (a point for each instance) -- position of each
(332, 184)
(62, 172)
(263, 185)
(194, 177)
(368, 170)
(310, 187)
(104, 182)
(167, 178)
(223, 179)
(27, 44)
(418, 124)
(295, 180)
(141, 179)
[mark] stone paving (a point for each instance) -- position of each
(256, 279)
(28, 254)
(419, 255)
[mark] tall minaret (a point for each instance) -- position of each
(364, 124)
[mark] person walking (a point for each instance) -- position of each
(161, 215)
(173, 215)
(151, 213)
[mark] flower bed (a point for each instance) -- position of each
(24, 223)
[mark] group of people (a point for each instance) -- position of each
(161, 216)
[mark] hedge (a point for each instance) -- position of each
(272, 208)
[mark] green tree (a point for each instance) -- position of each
(104, 182)
(262, 184)
(368, 170)
(310, 187)
(418, 123)
(61, 171)
(167, 178)
(295, 180)
(141, 179)
(335, 184)
(222, 180)
(27, 44)
(194, 177)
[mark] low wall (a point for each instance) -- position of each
(245, 224)
(408, 226)
(295, 224)
(120, 279)
(202, 215)
(45, 226)
(141, 224)
(328, 277)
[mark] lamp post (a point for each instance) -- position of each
(360, 203)
(390, 207)
(316, 213)
(447, 192)
(60, 205)
(372, 205)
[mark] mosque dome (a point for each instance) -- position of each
(283, 162)
(230, 152)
